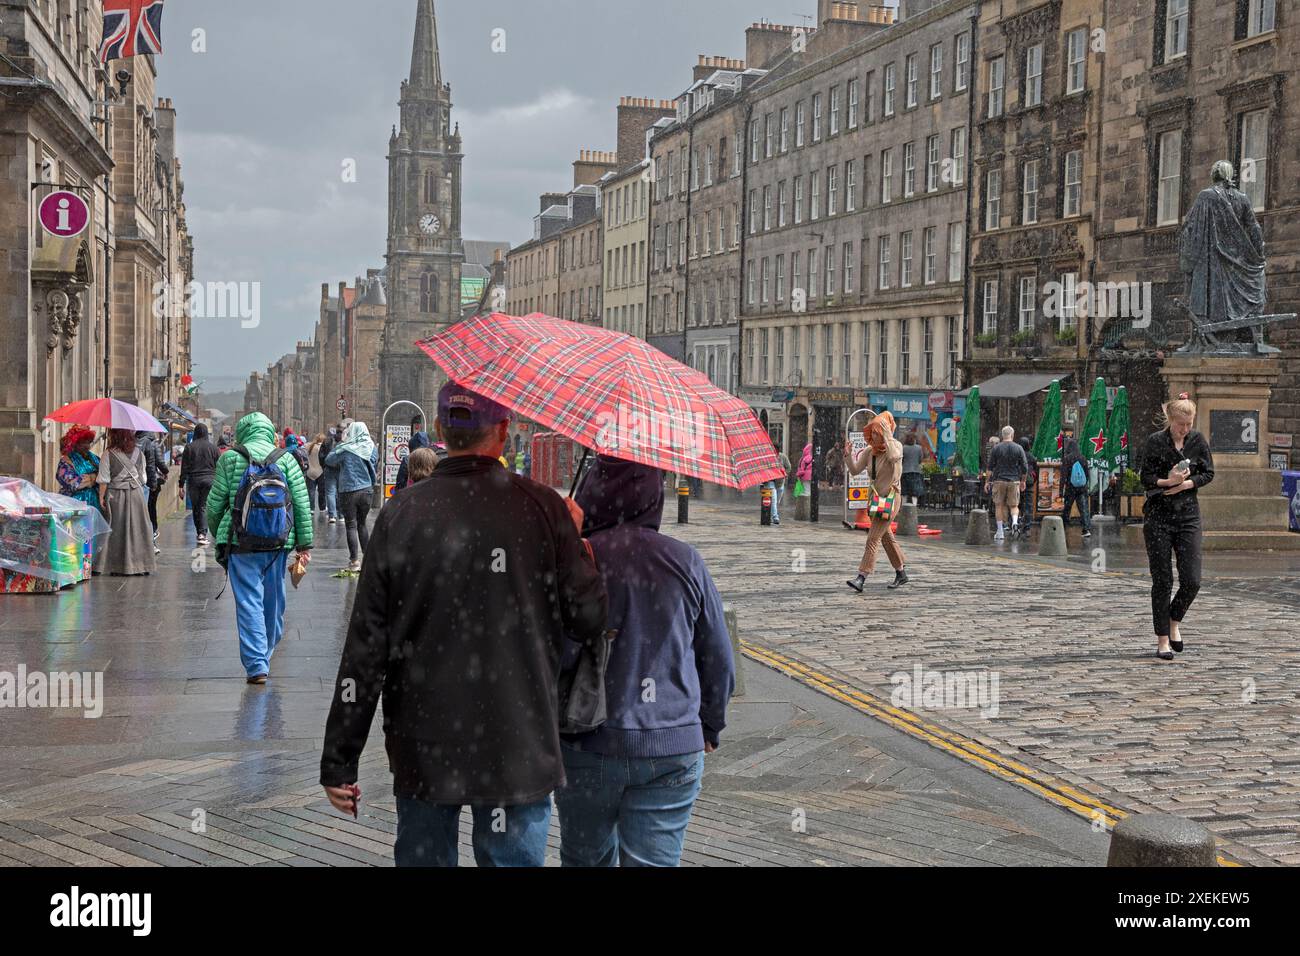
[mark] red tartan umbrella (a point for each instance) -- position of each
(609, 392)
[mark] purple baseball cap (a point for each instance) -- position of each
(483, 412)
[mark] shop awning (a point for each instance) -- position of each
(1017, 384)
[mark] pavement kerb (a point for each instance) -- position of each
(1050, 788)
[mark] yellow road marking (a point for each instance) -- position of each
(964, 748)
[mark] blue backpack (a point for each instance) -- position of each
(263, 507)
(1078, 477)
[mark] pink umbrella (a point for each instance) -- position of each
(108, 413)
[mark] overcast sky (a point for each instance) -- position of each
(289, 89)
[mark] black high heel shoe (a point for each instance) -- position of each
(1165, 655)
(1177, 645)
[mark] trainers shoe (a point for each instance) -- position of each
(1000, 536)
(354, 567)
(1087, 533)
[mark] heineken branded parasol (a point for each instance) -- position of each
(968, 433)
(1116, 454)
(1047, 440)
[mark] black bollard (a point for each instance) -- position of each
(683, 503)
(765, 507)
(812, 502)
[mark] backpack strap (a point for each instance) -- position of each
(242, 452)
(275, 456)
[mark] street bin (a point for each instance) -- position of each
(1291, 488)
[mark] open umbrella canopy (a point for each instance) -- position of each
(610, 392)
(108, 413)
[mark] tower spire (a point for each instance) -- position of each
(426, 70)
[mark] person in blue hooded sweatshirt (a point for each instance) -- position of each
(632, 783)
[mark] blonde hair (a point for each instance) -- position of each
(1182, 407)
(421, 463)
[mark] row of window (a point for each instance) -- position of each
(1027, 306)
(1173, 22)
(1031, 74)
(625, 204)
(624, 265)
(884, 354)
(579, 305)
(829, 272)
(844, 108)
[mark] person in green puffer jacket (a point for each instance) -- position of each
(257, 577)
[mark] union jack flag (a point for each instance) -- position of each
(131, 28)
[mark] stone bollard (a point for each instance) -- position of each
(977, 528)
(907, 520)
(801, 507)
(1051, 538)
(729, 613)
(1160, 839)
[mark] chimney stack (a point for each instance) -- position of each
(636, 114)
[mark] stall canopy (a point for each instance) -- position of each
(1017, 384)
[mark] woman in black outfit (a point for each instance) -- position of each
(1172, 518)
(198, 468)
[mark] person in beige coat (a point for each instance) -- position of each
(884, 457)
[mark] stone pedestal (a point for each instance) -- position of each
(1243, 508)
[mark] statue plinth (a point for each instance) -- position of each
(1243, 508)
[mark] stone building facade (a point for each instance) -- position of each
(853, 248)
(1036, 177)
(83, 317)
(1185, 86)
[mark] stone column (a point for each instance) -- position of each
(1243, 508)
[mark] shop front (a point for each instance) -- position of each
(931, 416)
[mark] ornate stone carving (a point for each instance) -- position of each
(1065, 241)
(988, 251)
(72, 323)
(56, 302)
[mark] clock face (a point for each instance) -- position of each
(430, 224)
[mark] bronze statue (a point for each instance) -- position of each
(1221, 252)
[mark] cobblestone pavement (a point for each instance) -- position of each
(190, 766)
(1212, 736)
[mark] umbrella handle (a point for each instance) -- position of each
(578, 471)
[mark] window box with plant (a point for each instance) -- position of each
(1024, 337)
(1067, 336)
(986, 340)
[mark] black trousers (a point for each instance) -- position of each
(355, 506)
(198, 489)
(1181, 539)
(1076, 496)
(153, 506)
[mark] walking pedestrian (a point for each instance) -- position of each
(1075, 478)
(1008, 469)
(123, 476)
(804, 473)
(461, 636)
(258, 512)
(198, 469)
(315, 469)
(632, 783)
(421, 464)
(78, 471)
(1031, 482)
(913, 482)
(357, 460)
(778, 485)
(329, 479)
(156, 472)
(1176, 463)
(883, 456)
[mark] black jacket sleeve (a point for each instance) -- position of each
(1152, 464)
(360, 682)
(1202, 462)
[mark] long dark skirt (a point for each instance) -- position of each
(129, 547)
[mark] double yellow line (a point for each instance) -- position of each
(1046, 786)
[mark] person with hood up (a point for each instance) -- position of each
(474, 579)
(631, 784)
(257, 577)
(198, 469)
(804, 472)
(884, 457)
(78, 471)
(357, 459)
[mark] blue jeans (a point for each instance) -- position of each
(629, 811)
(428, 834)
(329, 489)
(778, 489)
(257, 582)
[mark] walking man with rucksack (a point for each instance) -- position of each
(1075, 476)
(258, 512)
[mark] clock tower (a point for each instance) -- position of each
(425, 253)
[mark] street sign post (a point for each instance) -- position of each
(397, 445)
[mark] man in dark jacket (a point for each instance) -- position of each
(198, 469)
(1072, 495)
(471, 581)
(156, 472)
(633, 782)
